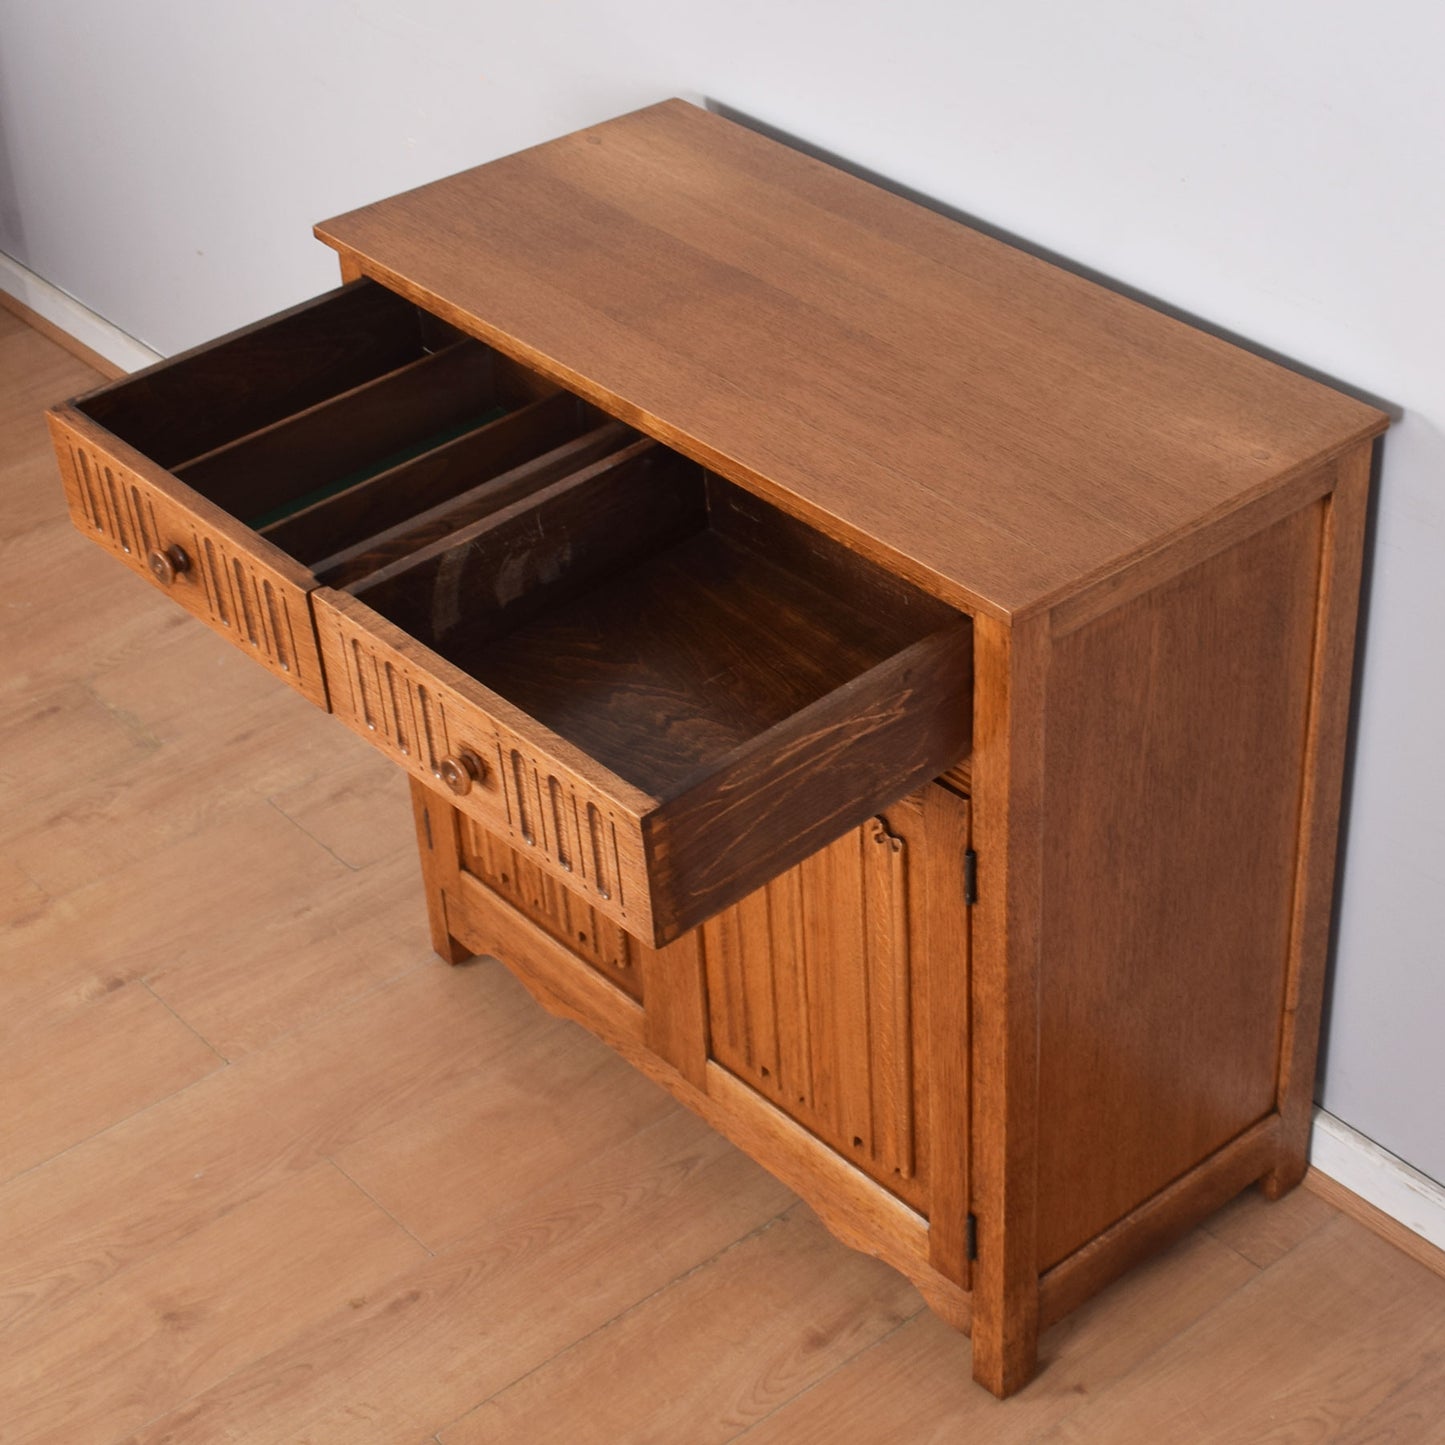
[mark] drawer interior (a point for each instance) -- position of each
(353, 429)
(652, 614)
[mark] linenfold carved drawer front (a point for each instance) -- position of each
(246, 589)
(623, 678)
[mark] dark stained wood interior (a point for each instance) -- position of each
(664, 669)
(433, 478)
(639, 610)
(420, 524)
(351, 416)
(344, 439)
(191, 404)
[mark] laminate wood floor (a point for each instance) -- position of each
(269, 1171)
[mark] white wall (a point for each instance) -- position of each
(1275, 166)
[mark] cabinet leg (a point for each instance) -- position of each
(447, 948)
(1293, 1160)
(439, 845)
(1319, 820)
(1004, 1358)
(1011, 666)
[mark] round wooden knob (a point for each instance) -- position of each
(167, 563)
(460, 770)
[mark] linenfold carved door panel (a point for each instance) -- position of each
(564, 914)
(818, 990)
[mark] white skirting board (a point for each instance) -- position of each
(1378, 1177)
(1349, 1158)
(70, 316)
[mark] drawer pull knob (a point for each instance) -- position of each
(460, 770)
(167, 563)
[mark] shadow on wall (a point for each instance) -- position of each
(953, 213)
(12, 230)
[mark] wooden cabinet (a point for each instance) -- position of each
(891, 689)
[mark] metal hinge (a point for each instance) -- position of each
(970, 876)
(970, 1237)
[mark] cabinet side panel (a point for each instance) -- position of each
(1173, 773)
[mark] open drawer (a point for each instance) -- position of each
(239, 474)
(658, 687)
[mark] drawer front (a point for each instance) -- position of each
(215, 568)
(422, 713)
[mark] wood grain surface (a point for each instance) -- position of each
(663, 713)
(1005, 925)
(664, 669)
(236, 582)
(570, 919)
(828, 987)
(1170, 881)
(997, 429)
(264, 471)
(398, 493)
(1341, 561)
(802, 1324)
(423, 525)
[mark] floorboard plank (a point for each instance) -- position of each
(1264, 1231)
(1314, 1345)
(525, 1123)
(358, 807)
(917, 1385)
(90, 1069)
(1413, 1411)
(150, 1183)
(175, 1325)
(497, 1304)
(711, 1353)
(308, 955)
(182, 907)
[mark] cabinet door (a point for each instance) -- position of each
(839, 992)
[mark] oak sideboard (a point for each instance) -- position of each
(890, 688)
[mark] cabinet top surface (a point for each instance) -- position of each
(999, 429)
